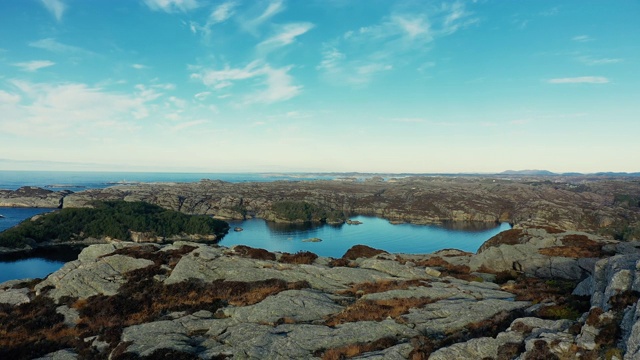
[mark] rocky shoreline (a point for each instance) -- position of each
(575, 295)
(606, 206)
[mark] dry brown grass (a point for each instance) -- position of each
(575, 246)
(254, 253)
(376, 310)
(33, 329)
(361, 251)
(360, 289)
(352, 350)
(150, 252)
(340, 262)
(301, 257)
(509, 237)
(447, 269)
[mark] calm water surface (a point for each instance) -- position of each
(374, 232)
(336, 240)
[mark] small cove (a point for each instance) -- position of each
(336, 239)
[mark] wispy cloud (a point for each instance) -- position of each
(580, 80)
(409, 120)
(59, 110)
(172, 6)
(32, 66)
(285, 35)
(359, 55)
(55, 7)
(273, 8)
(587, 60)
(275, 85)
(188, 124)
(582, 38)
(223, 12)
(53, 45)
(220, 14)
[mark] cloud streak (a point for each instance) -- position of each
(286, 35)
(51, 44)
(55, 7)
(275, 84)
(172, 6)
(33, 66)
(579, 80)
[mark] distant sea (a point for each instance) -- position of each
(82, 180)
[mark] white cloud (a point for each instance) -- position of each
(172, 6)
(277, 84)
(202, 95)
(53, 45)
(8, 99)
(580, 80)
(66, 110)
(139, 66)
(220, 14)
(55, 7)
(581, 38)
(412, 26)
(32, 66)
(339, 70)
(223, 12)
(286, 35)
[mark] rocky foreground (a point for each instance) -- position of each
(530, 293)
(609, 206)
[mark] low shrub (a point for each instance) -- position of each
(361, 251)
(301, 257)
(254, 253)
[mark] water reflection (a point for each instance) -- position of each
(374, 232)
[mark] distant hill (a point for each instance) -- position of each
(528, 172)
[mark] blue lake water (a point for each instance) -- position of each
(336, 240)
(374, 232)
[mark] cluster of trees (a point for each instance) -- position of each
(303, 211)
(111, 218)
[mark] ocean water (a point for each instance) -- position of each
(82, 180)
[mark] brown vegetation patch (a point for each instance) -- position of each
(301, 257)
(150, 252)
(168, 354)
(622, 300)
(357, 290)
(254, 253)
(352, 350)
(145, 300)
(340, 262)
(33, 329)
(574, 252)
(422, 348)
(541, 351)
(508, 237)
(510, 351)
(565, 305)
(447, 269)
(575, 246)
(376, 310)
(361, 251)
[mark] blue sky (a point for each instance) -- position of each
(320, 85)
